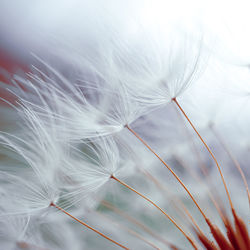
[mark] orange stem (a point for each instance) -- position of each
(160, 209)
(137, 235)
(170, 169)
(89, 227)
(198, 179)
(234, 160)
(176, 200)
(134, 221)
(208, 149)
(202, 165)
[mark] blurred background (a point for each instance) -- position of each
(59, 31)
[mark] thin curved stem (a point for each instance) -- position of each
(130, 231)
(209, 150)
(176, 200)
(160, 209)
(202, 166)
(134, 221)
(234, 160)
(170, 169)
(89, 227)
(210, 195)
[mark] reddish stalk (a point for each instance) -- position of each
(179, 204)
(192, 143)
(130, 231)
(143, 239)
(234, 160)
(215, 230)
(136, 222)
(170, 169)
(198, 179)
(160, 209)
(241, 229)
(202, 165)
(208, 149)
(89, 227)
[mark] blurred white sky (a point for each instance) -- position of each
(29, 25)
